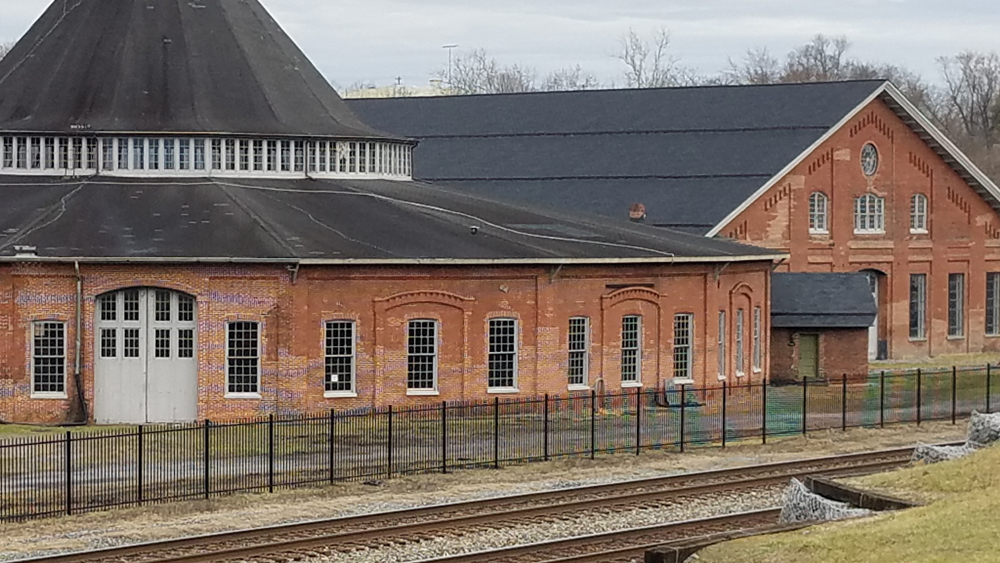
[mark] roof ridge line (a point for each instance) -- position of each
(35, 225)
(636, 177)
(628, 132)
(264, 225)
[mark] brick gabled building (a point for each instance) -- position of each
(844, 177)
(196, 226)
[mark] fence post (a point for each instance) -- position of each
(723, 413)
(389, 424)
(638, 421)
(683, 421)
(69, 473)
(496, 432)
(270, 453)
(763, 411)
(843, 403)
(444, 436)
(919, 393)
(805, 411)
(988, 398)
(545, 428)
(954, 392)
(139, 469)
(208, 424)
(881, 399)
(593, 423)
(333, 427)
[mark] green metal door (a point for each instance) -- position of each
(808, 355)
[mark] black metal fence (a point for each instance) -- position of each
(86, 471)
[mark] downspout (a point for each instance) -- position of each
(77, 379)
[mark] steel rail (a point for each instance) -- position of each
(638, 540)
(493, 511)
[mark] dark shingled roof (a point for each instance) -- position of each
(821, 301)
(309, 219)
(690, 155)
(191, 66)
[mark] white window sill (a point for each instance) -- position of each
(723, 378)
(921, 339)
(50, 396)
(740, 375)
(918, 231)
(579, 388)
(962, 337)
(631, 384)
(993, 336)
(757, 370)
(503, 391)
(340, 395)
(869, 232)
(683, 381)
(243, 396)
(422, 392)
(812, 232)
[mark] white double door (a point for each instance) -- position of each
(146, 357)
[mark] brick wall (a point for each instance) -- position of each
(841, 352)
(381, 300)
(964, 231)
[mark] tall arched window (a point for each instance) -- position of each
(818, 209)
(869, 214)
(918, 214)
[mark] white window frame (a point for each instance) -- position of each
(433, 390)
(243, 394)
(758, 348)
(637, 382)
(819, 223)
(353, 357)
(920, 311)
(34, 355)
(721, 349)
(918, 214)
(686, 346)
(958, 298)
(869, 215)
(583, 353)
(490, 354)
(740, 343)
(992, 304)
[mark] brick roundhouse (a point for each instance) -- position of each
(222, 237)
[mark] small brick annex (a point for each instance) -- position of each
(292, 306)
(963, 230)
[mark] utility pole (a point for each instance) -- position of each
(450, 47)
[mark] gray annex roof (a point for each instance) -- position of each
(166, 66)
(806, 301)
(690, 155)
(316, 221)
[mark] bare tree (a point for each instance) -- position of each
(478, 73)
(972, 90)
(822, 59)
(572, 78)
(648, 64)
(758, 66)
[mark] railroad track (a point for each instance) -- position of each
(622, 546)
(318, 538)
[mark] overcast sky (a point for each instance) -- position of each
(378, 40)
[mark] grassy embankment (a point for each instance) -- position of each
(959, 524)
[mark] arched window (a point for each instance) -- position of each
(918, 214)
(869, 214)
(818, 213)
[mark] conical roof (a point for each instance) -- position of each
(184, 66)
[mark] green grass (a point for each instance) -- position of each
(939, 362)
(959, 525)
